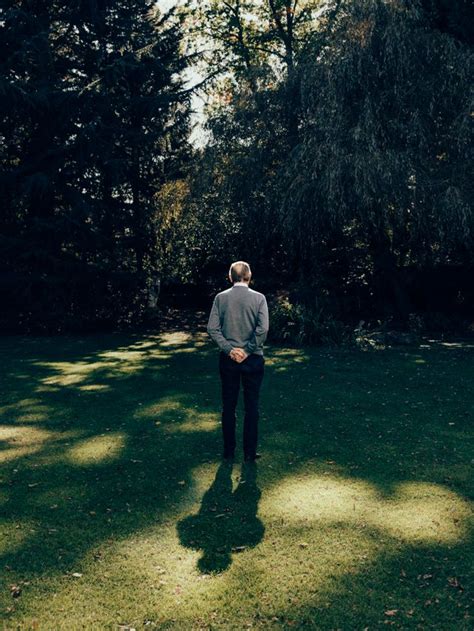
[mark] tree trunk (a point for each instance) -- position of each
(389, 290)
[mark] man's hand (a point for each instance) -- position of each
(238, 355)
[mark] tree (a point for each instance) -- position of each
(248, 54)
(386, 144)
(95, 122)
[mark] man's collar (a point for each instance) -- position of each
(241, 284)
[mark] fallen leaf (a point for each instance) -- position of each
(15, 591)
(391, 612)
(453, 582)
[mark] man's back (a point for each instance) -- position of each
(238, 324)
(239, 319)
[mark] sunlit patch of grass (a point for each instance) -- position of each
(423, 512)
(190, 349)
(319, 498)
(281, 359)
(94, 387)
(285, 353)
(177, 338)
(27, 403)
(205, 422)
(31, 417)
(454, 344)
(112, 364)
(19, 441)
(20, 435)
(96, 450)
(174, 416)
(166, 408)
(25, 411)
(129, 355)
(68, 373)
(13, 453)
(42, 389)
(415, 511)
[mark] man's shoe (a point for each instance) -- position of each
(252, 457)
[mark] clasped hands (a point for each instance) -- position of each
(238, 355)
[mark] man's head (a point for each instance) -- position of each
(240, 272)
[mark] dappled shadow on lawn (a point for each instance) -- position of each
(101, 439)
(98, 461)
(380, 582)
(227, 521)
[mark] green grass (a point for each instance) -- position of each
(115, 509)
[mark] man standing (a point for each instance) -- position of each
(238, 324)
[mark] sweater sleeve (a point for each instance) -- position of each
(214, 329)
(261, 328)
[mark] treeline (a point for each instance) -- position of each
(340, 153)
(94, 121)
(336, 156)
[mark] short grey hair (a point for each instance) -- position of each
(240, 271)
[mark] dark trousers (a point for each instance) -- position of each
(250, 372)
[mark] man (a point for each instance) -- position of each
(238, 323)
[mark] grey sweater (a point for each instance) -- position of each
(239, 319)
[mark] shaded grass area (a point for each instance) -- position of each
(116, 510)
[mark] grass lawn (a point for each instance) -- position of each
(116, 511)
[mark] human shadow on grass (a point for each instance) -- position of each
(227, 521)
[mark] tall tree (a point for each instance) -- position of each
(386, 143)
(95, 121)
(248, 56)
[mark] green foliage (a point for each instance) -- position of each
(338, 152)
(361, 145)
(386, 134)
(252, 121)
(295, 323)
(386, 137)
(94, 122)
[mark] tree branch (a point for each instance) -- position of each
(278, 22)
(286, 35)
(201, 83)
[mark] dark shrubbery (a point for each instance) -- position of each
(297, 324)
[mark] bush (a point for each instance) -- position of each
(301, 325)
